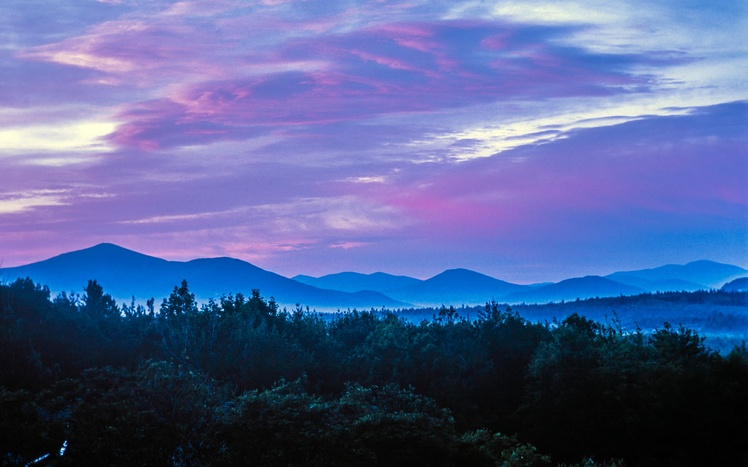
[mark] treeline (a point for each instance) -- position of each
(239, 381)
(639, 307)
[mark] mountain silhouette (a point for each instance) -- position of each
(576, 288)
(737, 285)
(706, 274)
(456, 287)
(355, 282)
(124, 274)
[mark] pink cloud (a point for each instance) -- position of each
(206, 87)
(134, 52)
(633, 176)
(392, 69)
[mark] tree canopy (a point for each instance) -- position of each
(239, 381)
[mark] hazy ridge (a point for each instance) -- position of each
(126, 274)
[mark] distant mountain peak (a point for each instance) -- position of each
(703, 262)
(701, 272)
(355, 281)
(99, 254)
(460, 273)
(737, 285)
(110, 247)
(577, 288)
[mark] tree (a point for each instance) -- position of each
(181, 302)
(97, 304)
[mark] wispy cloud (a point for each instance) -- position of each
(11, 203)
(80, 136)
(411, 68)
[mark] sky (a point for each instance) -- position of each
(528, 140)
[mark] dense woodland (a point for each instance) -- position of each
(718, 315)
(239, 381)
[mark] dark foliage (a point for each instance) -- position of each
(241, 382)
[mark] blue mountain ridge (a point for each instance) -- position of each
(354, 281)
(576, 288)
(456, 287)
(125, 274)
(706, 274)
(465, 287)
(737, 285)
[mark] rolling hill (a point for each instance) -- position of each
(456, 287)
(691, 276)
(355, 282)
(576, 288)
(124, 274)
(736, 285)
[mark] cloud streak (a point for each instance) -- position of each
(398, 69)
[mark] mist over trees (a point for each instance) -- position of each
(240, 381)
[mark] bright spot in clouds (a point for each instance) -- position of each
(79, 136)
(11, 203)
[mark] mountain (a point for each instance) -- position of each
(663, 285)
(355, 282)
(116, 268)
(737, 285)
(124, 273)
(456, 287)
(578, 287)
(704, 274)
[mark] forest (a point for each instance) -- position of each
(239, 381)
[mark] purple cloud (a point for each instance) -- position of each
(639, 181)
(389, 69)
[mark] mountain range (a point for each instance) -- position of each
(465, 287)
(125, 274)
